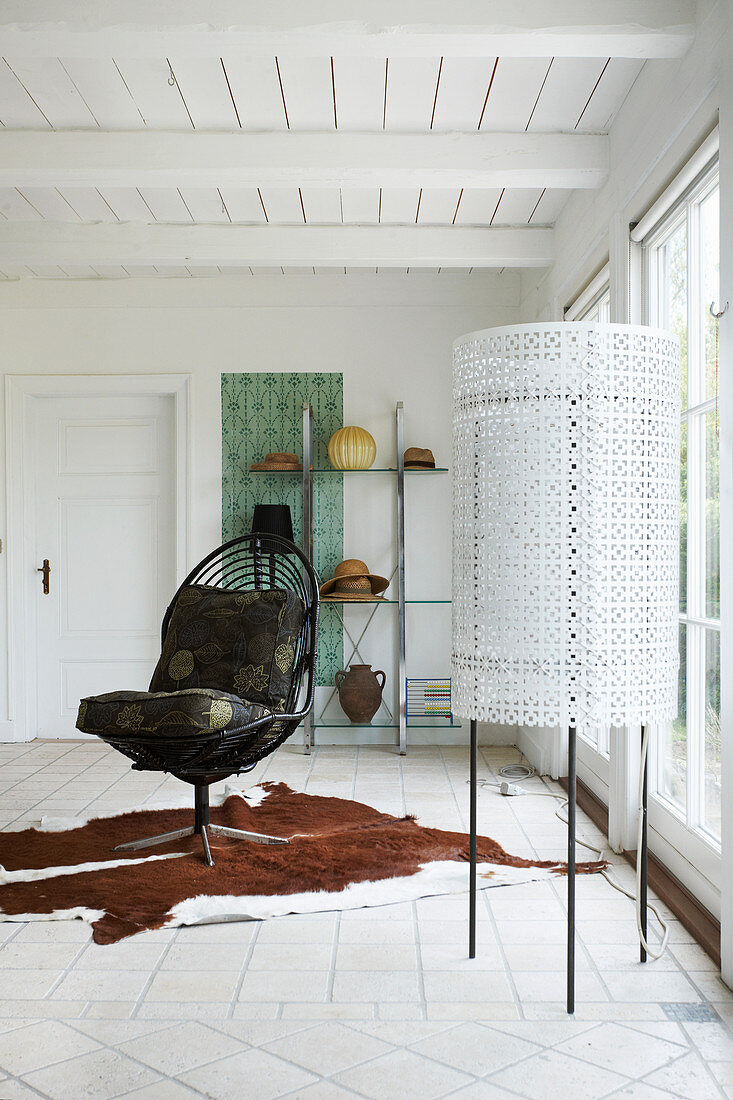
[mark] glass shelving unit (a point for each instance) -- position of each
(371, 470)
(307, 474)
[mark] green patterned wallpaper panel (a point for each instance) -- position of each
(264, 412)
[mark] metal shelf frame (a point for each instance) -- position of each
(400, 723)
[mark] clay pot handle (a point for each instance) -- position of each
(341, 673)
(384, 679)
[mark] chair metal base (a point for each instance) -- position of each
(204, 828)
(214, 830)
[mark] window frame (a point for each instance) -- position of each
(597, 293)
(681, 830)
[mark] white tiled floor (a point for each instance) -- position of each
(378, 1003)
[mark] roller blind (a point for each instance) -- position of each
(684, 178)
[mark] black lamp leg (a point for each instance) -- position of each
(472, 847)
(643, 854)
(571, 870)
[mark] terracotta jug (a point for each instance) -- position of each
(360, 692)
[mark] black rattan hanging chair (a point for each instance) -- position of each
(235, 677)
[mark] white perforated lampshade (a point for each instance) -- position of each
(566, 525)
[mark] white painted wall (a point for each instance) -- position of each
(391, 335)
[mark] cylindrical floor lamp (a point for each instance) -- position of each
(565, 537)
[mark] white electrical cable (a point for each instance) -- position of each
(639, 836)
(599, 852)
(517, 771)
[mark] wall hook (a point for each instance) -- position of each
(172, 76)
(724, 310)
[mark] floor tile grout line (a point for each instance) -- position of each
(92, 763)
(625, 1026)
(67, 970)
(16, 932)
(153, 973)
(696, 1049)
(642, 1078)
(418, 954)
(337, 923)
(483, 1080)
(478, 1078)
(332, 961)
(486, 1078)
(396, 1048)
(119, 1049)
(520, 826)
(243, 972)
(688, 974)
(168, 1025)
(101, 1045)
(487, 904)
(250, 950)
(322, 1076)
(579, 941)
(24, 1084)
(325, 1080)
(174, 1080)
(87, 805)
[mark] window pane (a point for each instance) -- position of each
(709, 282)
(673, 293)
(672, 781)
(712, 517)
(711, 800)
(683, 518)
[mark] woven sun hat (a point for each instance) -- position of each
(278, 460)
(352, 581)
(419, 458)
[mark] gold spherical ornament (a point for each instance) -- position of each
(352, 448)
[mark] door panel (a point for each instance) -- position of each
(108, 592)
(80, 678)
(117, 446)
(104, 508)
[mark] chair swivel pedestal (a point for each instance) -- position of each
(202, 826)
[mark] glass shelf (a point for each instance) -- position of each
(371, 470)
(370, 603)
(346, 724)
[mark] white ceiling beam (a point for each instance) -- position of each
(88, 158)
(381, 28)
(63, 243)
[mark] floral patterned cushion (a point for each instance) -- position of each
(167, 714)
(240, 642)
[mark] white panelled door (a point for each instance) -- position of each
(104, 510)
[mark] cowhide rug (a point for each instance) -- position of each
(342, 855)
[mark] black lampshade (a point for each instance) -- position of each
(273, 519)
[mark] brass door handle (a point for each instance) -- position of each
(45, 570)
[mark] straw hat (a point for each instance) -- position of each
(278, 460)
(352, 581)
(419, 458)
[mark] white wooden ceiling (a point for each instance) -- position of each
(239, 93)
